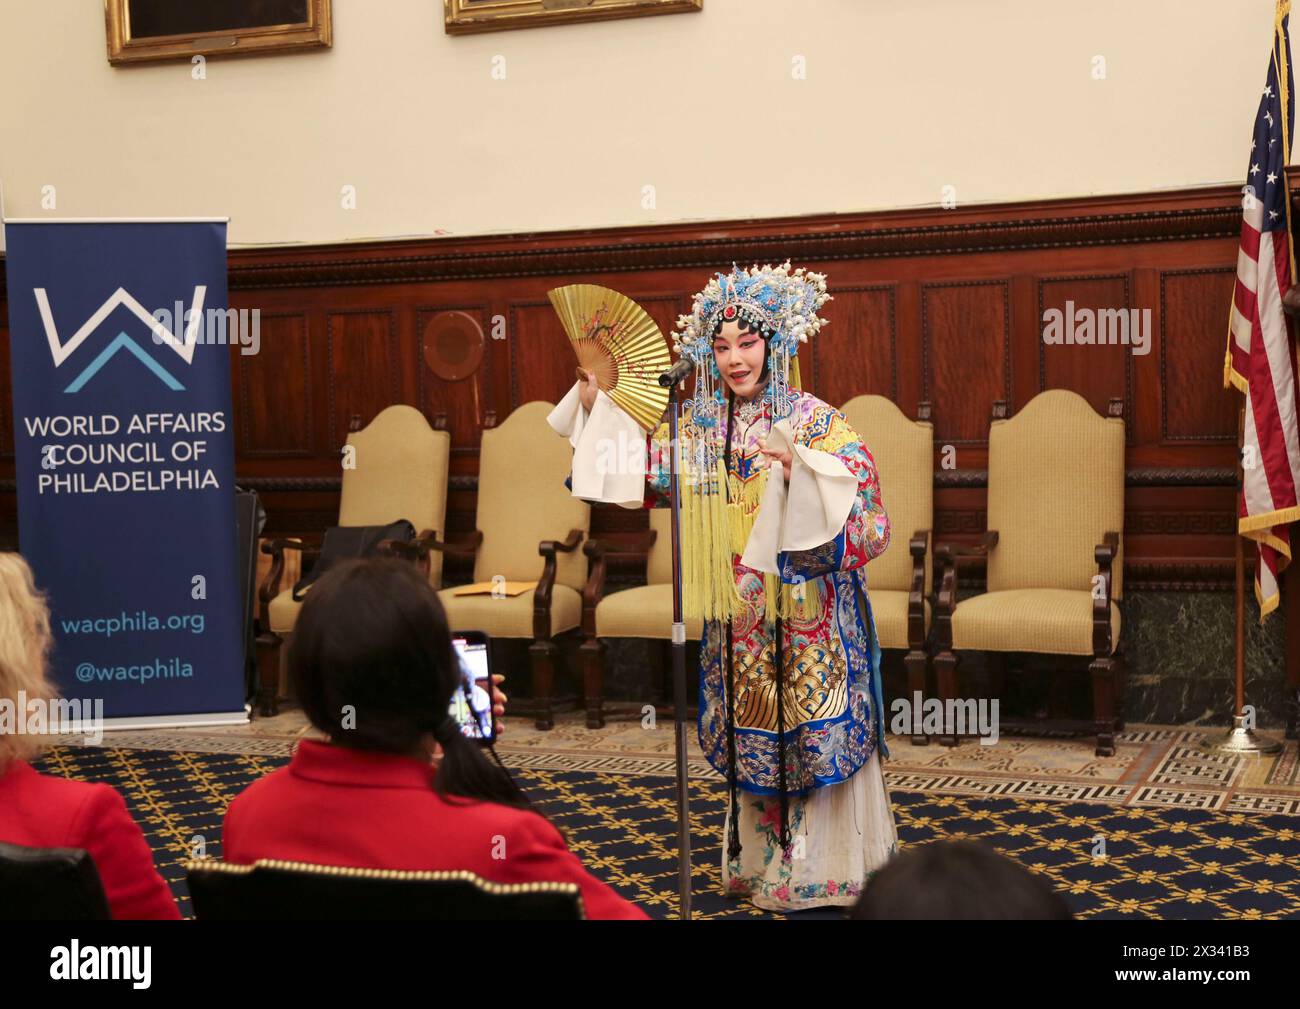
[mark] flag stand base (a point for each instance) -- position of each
(1242, 741)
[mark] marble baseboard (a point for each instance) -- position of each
(1181, 652)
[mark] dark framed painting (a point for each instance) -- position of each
(145, 31)
(464, 17)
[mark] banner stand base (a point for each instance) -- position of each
(201, 720)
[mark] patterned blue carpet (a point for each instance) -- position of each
(1110, 862)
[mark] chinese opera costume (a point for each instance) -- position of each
(776, 570)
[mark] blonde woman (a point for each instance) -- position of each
(45, 811)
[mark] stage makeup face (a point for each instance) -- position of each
(739, 355)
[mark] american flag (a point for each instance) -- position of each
(1261, 358)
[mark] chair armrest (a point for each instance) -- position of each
(951, 556)
(416, 550)
(596, 551)
(1105, 553)
(270, 587)
(639, 544)
(916, 593)
(953, 553)
(462, 548)
(1106, 550)
(542, 595)
(548, 548)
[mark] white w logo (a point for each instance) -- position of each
(62, 351)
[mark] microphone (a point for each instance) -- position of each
(677, 373)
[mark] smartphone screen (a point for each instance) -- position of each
(471, 705)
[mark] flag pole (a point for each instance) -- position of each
(1242, 739)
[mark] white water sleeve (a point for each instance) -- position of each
(810, 511)
(609, 449)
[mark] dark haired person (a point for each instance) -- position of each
(958, 881)
(397, 786)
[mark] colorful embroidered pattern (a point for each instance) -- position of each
(831, 701)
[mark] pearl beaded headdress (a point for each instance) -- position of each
(781, 304)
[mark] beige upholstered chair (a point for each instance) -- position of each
(645, 611)
(1054, 550)
(528, 529)
(400, 473)
(899, 582)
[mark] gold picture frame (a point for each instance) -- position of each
(147, 31)
(466, 17)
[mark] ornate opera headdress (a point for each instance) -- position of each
(782, 305)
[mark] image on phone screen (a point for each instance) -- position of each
(471, 705)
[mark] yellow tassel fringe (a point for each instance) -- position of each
(709, 581)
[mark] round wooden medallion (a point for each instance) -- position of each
(453, 344)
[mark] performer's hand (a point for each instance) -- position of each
(784, 458)
(588, 391)
(498, 703)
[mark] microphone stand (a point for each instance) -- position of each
(679, 664)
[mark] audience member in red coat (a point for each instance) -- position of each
(45, 811)
(397, 786)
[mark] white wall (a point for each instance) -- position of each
(994, 97)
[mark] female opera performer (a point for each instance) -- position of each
(780, 512)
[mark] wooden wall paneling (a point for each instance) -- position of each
(1025, 339)
(857, 351)
(1099, 371)
(908, 366)
(1142, 416)
(966, 355)
(960, 513)
(273, 400)
(344, 322)
(1193, 340)
(495, 385)
(541, 362)
(407, 351)
(362, 359)
(1202, 515)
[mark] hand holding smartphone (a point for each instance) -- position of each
(471, 705)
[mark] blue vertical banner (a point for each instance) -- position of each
(119, 335)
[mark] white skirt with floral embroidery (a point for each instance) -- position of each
(840, 835)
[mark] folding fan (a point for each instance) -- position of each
(614, 337)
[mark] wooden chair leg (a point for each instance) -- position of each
(1121, 686)
(542, 655)
(1103, 704)
(945, 671)
(268, 674)
(997, 667)
(916, 661)
(593, 676)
